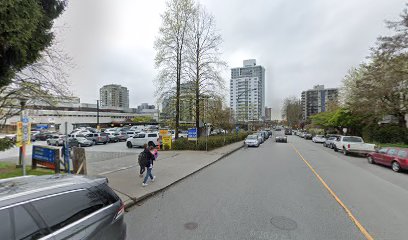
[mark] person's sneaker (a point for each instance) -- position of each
(144, 184)
(154, 177)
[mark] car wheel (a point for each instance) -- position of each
(105, 142)
(129, 145)
(345, 152)
(324, 144)
(395, 166)
(370, 160)
(335, 149)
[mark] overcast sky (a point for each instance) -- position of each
(300, 43)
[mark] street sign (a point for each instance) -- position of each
(46, 156)
(192, 134)
(163, 132)
(19, 134)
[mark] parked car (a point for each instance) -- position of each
(308, 136)
(43, 136)
(83, 142)
(352, 144)
(98, 137)
(396, 158)
(60, 207)
(122, 136)
(56, 140)
(261, 138)
(265, 134)
(319, 139)
(112, 137)
(131, 133)
(142, 138)
(252, 141)
(329, 142)
(281, 138)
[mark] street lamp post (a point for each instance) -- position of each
(97, 115)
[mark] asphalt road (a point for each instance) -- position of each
(270, 193)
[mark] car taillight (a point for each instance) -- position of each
(120, 212)
(348, 146)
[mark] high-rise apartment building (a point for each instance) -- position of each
(114, 96)
(247, 92)
(316, 100)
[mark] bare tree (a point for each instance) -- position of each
(170, 48)
(292, 111)
(204, 64)
(44, 81)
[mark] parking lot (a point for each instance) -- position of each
(100, 158)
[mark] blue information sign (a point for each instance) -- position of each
(192, 134)
(44, 154)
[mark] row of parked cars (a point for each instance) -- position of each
(256, 139)
(396, 158)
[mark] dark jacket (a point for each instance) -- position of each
(150, 157)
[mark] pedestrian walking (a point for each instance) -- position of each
(148, 165)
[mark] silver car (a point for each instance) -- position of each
(60, 207)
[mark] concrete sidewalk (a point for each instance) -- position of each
(171, 167)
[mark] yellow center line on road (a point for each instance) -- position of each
(334, 195)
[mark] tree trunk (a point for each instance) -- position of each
(197, 89)
(178, 80)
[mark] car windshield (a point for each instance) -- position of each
(252, 137)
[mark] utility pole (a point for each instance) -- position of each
(97, 115)
(22, 147)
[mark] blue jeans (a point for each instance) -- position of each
(148, 174)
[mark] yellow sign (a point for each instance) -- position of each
(167, 140)
(163, 132)
(29, 133)
(19, 135)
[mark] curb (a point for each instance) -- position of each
(134, 201)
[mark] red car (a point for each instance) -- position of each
(396, 158)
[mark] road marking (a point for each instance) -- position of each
(334, 195)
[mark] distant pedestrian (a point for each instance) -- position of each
(148, 165)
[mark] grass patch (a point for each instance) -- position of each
(8, 170)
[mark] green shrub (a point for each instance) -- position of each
(385, 134)
(213, 142)
(5, 144)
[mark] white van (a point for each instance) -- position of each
(142, 138)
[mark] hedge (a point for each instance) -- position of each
(385, 134)
(213, 142)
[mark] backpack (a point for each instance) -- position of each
(142, 159)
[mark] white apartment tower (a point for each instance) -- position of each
(114, 96)
(247, 92)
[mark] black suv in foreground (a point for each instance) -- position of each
(60, 207)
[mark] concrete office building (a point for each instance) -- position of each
(316, 100)
(247, 92)
(114, 96)
(268, 114)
